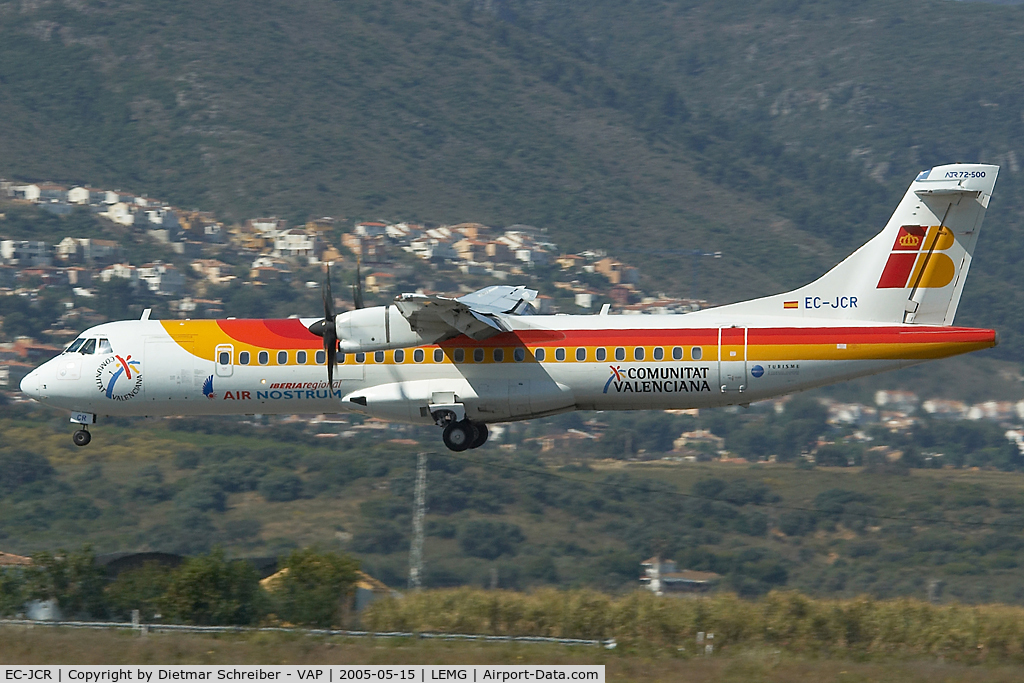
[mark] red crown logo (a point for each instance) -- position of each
(909, 240)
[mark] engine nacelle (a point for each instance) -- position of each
(380, 328)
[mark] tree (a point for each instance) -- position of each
(140, 589)
(74, 580)
(489, 540)
(212, 591)
(12, 591)
(313, 587)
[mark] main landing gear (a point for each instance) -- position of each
(82, 437)
(458, 436)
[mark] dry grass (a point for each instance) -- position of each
(19, 645)
(788, 621)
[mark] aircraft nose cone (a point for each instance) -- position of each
(30, 384)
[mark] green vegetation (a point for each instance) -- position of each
(559, 518)
(791, 621)
(632, 665)
(207, 590)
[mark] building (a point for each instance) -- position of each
(294, 243)
(9, 560)
(663, 576)
(124, 271)
(896, 400)
(25, 253)
(162, 278)
(699, 440)
(617, 272)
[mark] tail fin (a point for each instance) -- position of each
(911, 272)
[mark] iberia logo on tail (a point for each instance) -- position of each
(918, 258)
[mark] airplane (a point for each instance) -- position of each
(464, 363)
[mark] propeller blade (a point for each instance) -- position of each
(357, 289)
(326, 329)
(332, 359)
(328, 296)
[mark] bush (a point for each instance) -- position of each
(12, 591)
(489, 540)
(212, 591)
(280, 486)
(72, 579)
(140, 589)
(313, 587)
(202, 495)
(382, 537)
(19, 467)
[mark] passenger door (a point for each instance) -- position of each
(732, 359)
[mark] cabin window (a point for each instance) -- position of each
(638, 353)
(581, 353)
(320, 357)
(282, 358)
(243, 358)
(89, 348)
(601, 353)
(559, 354)
(400, 356)
(539, 354)
(224, 358)
(696, 353)
(378, 356)
(478, 355)
(263, 357)
(438, 355)
(620, 353)
(499, 355)
(677, 353)
(360, 357)
(105, 346)
(300, 357)
(75, 345)
(519, 355)
(659, 353)
(418, 355)
(459, 355)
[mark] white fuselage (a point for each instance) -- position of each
(547, 364)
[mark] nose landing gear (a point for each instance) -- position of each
(82, 437)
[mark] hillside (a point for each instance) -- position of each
(262, 490)
(739, 128)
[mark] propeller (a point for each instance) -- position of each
(325, 328)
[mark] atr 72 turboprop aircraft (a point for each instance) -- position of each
(467, 362)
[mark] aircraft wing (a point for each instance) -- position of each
(477, 315)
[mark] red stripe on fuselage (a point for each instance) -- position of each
(289, 333)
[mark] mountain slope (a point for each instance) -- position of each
(780, 133)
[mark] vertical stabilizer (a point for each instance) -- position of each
(911, 272)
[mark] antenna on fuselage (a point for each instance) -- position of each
(146, 313)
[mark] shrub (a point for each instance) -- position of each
(140, 589)
(19, 467)
(489, 540)
(212, 591)
(73, 579)
(280, 486)
(313, 587)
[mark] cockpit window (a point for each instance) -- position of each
(89, 347)
(75, 344)
(105, 347)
